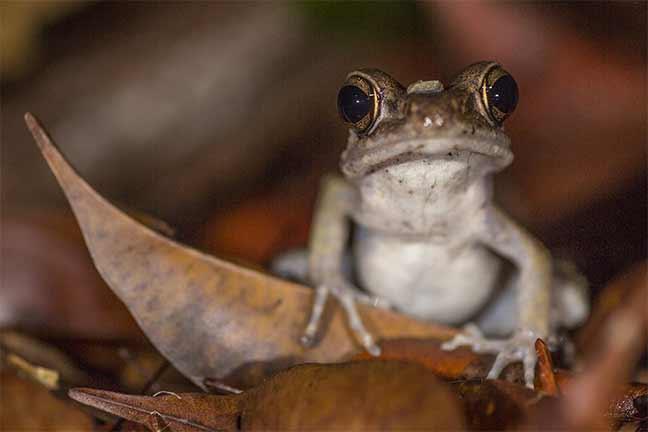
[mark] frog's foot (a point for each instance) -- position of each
(347, 295)
(519, 347)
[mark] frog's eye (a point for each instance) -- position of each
(499, 94)
(358, 103)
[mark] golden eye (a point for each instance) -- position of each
(500, 94)
(358, 103)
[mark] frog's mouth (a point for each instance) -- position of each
(359, 162)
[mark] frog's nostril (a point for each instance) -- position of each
(434, 120)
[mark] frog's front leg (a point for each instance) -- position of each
(500, 233)
(328, 240)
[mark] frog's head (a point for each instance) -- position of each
(391, 124)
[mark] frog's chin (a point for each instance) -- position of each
(356, 163)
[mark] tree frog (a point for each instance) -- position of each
(427, 238)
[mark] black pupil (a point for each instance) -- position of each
(503, 95)
(353, 103)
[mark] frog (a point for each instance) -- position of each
(415, 201)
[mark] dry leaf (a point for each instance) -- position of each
(614, 296)
(273, 222)
(596, 398)
(195, 412)
(375, 395)
(459, 364)
(49, 287)
(467, 368)
(27, 406)
(37, 355)
(629, 406)
(207, 316)
(545, 380)
(495, 404)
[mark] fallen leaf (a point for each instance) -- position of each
(374, 395)
(27, 406)
(48, 378)
(150, 221)
(31, 355)
(613, 296)
(591, 397)
(627, 407)
(22, 31)
(620, 343)
(49, 287)
(463, 365)
(460, 364)
(191, 412)
(495, 404)
(545, 380)
(210, 318)
(126, 367)
(220, 387)
(270, 228)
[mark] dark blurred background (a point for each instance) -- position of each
(220, 117)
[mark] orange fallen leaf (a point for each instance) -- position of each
(545, 379)
(459, 364)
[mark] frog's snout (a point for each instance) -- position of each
(428, 113)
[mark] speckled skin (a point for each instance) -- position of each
(429, 240)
